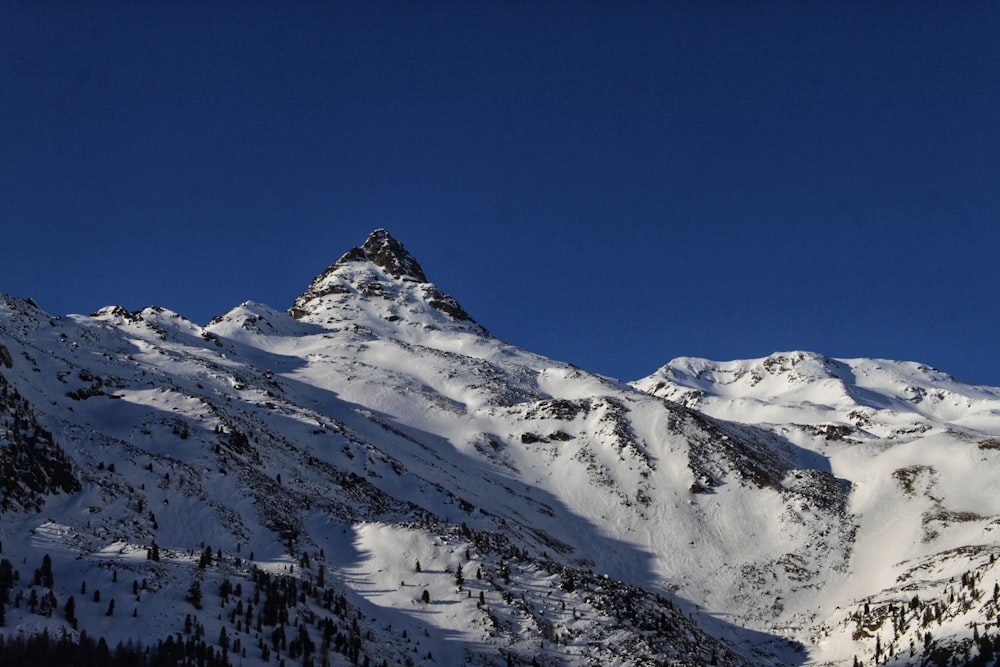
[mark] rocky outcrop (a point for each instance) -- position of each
(385, 252)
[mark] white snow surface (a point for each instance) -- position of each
(758, 505)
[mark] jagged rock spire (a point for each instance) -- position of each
(383, 250)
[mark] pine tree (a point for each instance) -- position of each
(70, 609)
(46, 572)
(6, 579)
(425, 597)
(986, 650)
(225, 589)
(459, 579)
(194, 594)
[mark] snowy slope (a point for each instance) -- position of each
(921, 453)
(737, 513)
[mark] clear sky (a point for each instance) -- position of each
(611, 184)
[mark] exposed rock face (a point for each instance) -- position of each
(446, 304)
(388, 253)
(348, 275)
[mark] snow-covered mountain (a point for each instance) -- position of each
(371, 477)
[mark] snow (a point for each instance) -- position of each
(768, 499)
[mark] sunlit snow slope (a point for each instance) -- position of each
(790, 510)
(921, 453)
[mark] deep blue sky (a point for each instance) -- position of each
(609, 184)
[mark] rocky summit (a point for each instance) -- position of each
(371, 478)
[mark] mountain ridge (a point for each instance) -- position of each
(696, 516)
(852, 394)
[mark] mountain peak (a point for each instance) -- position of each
(386, 276)
(386, 252)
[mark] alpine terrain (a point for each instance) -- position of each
(371, 478)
